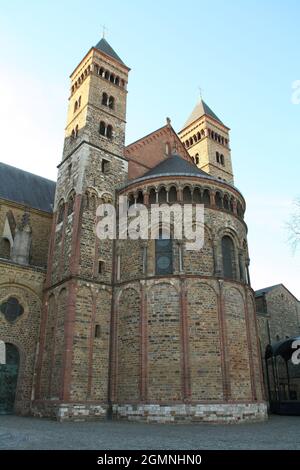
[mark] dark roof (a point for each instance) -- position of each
(260, 292)
(25, 188)
(103, 46)
(200, 110)
(175, 165)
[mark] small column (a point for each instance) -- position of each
(212, 195)
(217, 260)
(242, 267)
(247, 271)
(179, 194)
(145, 256)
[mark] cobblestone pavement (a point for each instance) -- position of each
(279, 432)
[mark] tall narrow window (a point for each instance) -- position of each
(97, 331)
(104, 166)
(4, 248)
(218, 157)
(228, 258)
(111, 102)
(109, 132)
(100, 267)
(163, 255)
(104, 99)
(102, 128)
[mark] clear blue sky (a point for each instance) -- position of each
(244, 55)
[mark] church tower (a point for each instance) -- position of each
(73, 363)
(207, 141)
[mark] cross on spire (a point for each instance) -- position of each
(200, 92)
(104, 29)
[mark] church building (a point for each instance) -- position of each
(130, 329)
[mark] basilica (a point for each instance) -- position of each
(127, 329)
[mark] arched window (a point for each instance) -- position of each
(218, 157)
(162, 195)
(117, 81)
(218, 200)
(222, 159)
(152, 196)
(76, 131)
(226, 202)
(198, 135)
(163, 255)
(73, 134)
(187, 143)
(197, 196)
(228, 257)
(71, 204)
(240, 212)
(4, 248)
(172, 194)
(191, 141)
(9, 368)
(197, 158)
(111, 102)
(130, 200)
(61, 211)
(102, 128)
(140, 198)
(112, 78)
(109, 132)
(75, 106)
(104, 99)
(187, 195)
(106, 75)
(206, 198)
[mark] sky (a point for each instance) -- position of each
(243, 54)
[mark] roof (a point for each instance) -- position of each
(200, 110)
(103, 46)
(260, 292)
(175, 165)
(26, 188)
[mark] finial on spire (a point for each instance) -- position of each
(200, 92)
(104, 29)
(168, 121)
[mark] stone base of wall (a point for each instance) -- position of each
(196, 413)
(69, 411)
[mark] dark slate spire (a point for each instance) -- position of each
(104, 47)
(200, 110)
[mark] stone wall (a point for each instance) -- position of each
(41, 226)
(25, 284)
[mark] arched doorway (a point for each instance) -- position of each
(9, 368)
